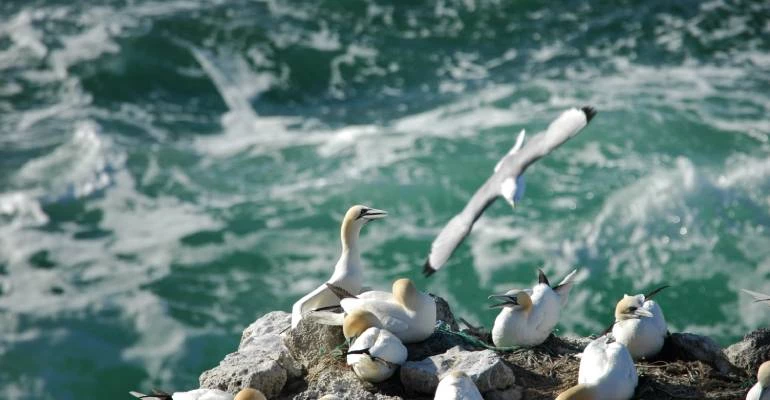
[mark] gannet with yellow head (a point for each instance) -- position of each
(607, 372)
(457, 385)
(406, 312)
(203, 394)
(528, 316)
(375, 353)
(761, 390)
(347, 272)
(640, 325)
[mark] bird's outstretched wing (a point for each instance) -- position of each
(513, 165)
(757, 296)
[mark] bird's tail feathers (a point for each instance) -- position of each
(563, 288)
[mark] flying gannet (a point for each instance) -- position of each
(406, 312)
(456, 385)
(375, 353)
(640, 325)
(607, 372)
(528, 316)
(505, 182)
(202, 394)
(761, 390)
(347, 272)
(758, 297)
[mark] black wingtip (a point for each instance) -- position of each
(590, 112)
(541, 278)
(655, 292)
(427, 269)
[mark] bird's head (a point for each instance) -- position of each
(357, 322)
(356, 217)
(250, 394)
(630, 307)
(513, 298)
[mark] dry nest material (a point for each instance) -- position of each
(547, 370)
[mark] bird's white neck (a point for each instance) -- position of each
(349, 236)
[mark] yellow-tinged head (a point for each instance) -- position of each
(357, 322)
(763, 374)
(250, 394)
(631, 307)
(356, 217)
(405, 293)
(578, 392)
(514, 298)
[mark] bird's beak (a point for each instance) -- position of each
(512, 203)
(641, 312)
(508, 300)
(374, 213)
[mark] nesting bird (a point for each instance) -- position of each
(528, 316)
(761, 390)
(347, 272)
(607, 372)
(505, 182)
(375, 353)
(203, 394)
(456, 385)
(640, 325)
(406, 312)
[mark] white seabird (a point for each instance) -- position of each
(202, 394)
(607, 372)
(640, 325)
(406, 312)
(761, 389)
(505, 182)
(456, 385)
(758, 297)
(528, 316)
(347, 272)
(375, 353)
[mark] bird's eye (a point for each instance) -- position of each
(632, 309)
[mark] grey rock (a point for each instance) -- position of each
(241, 370)
(485, 368)
(750, 352)
(444, 313)
(262, 361)
(692, 347)
(439, 342)
(310, 342)
(272, 323)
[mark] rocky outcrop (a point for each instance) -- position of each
(308, 363)
(750, 352)
(692, 347)
(485, 368)
(261, 362)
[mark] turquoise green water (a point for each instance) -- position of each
(171, 170)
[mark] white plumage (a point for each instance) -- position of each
(607, 372)
(384, 354)
(347, 272)
(457, 386)
(640, 325)
(406, 312)
(761, 390)
(529, 316)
